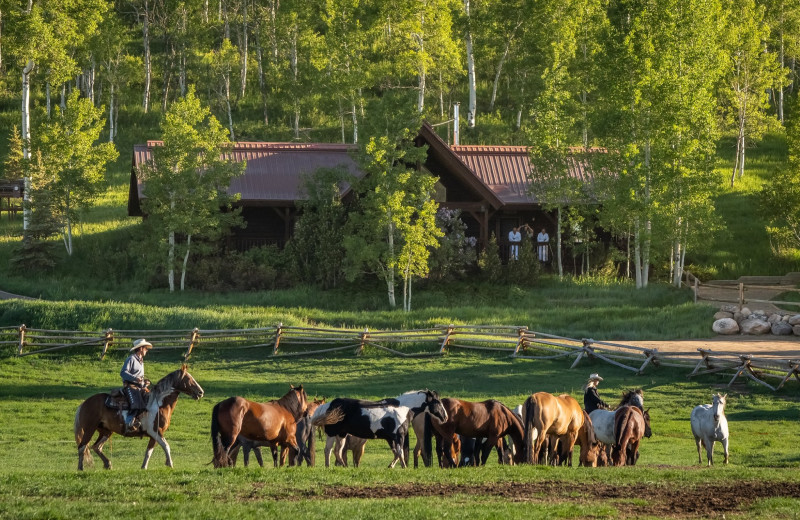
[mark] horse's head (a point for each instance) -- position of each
(435, 406)
(313, 405)
(300, 395)
(718, 406)
(633, 398)
(188, 385)
(647, 431)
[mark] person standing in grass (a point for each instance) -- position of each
(134, 382)
(591, 400)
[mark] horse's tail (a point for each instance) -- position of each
(531, 434)
(332, 416)
(427, 444)
(622, 434)
(221, 458)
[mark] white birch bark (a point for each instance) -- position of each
(171, 257)
(26, 137)
(111, 128)
(473, 103)
(558, 246)
(148, 67)
(390, 269)
(185, 262)
(244, 47)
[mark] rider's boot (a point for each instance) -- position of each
(130, 422)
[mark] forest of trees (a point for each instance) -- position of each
(654, 82)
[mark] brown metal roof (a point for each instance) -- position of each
(506, 170)
(274, 170)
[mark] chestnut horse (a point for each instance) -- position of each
(94, 416)
(490, 420)
(274, 422)
(630, 425)
(559, 418)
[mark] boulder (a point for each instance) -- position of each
(746, 312)
(729, 308)
(796, 329)
(725, 326)
(786, 318)
(794, 320)
(781, 328)
(774, 318)
(738, 316)
(723, 314)
(755, 327)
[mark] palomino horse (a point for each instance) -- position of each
(305, 440)
(630, 425)
(344, 444)
(275, 422)
(93, 415)
(487, 419)
(709, 425)
(559, 418)
(385, 419)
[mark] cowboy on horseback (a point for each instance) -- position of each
(134, 383)
(591, 400)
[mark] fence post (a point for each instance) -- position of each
(22, 330)
(741, 293)
(278, 332)
(521, 341)
(107, 342)
(446, 338)
(195, 337)
(364, 337)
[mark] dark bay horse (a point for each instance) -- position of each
(559, 418)
(630, 425)
(490, 420)
(274, 422)
(94, 416)
(387, 419)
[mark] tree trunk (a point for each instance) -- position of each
(171, 266)
(471, 82)
(185, 262)
(261, 82)
(244, 48)
(68, 233)
(26, 138)
(390, 270)
(637, 254)
(497, 75)
(228, 104)
(148, 67)
(111, 114)
(782, 57)
(355, 125)
(558, 246)
(92, 77)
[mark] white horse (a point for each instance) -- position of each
(709, 425)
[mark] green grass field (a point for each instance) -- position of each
(39, 395)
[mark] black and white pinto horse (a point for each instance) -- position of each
(387, 419)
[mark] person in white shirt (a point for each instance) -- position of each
(543, 246)
(514, 238)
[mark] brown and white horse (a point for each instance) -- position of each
(273, 422)
(94, 416)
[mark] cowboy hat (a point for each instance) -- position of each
(141, 343)
(595, 377)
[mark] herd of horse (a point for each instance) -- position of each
(543, 430)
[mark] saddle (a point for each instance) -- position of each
(116, 399)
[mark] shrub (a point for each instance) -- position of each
(489, 261)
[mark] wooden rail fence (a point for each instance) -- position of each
(738, 289)
(516, 341)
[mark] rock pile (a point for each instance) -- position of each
(732, 319)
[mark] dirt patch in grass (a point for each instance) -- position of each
(707, 500)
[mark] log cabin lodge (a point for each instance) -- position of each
(489, 184)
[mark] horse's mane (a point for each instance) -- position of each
(627, 396)
(168, 383)
(291, 401)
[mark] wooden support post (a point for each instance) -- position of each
(193, 340)
(278, 332)
(793, 371)
(587, 350)
(446, 338)
(364, 338)
(22, 329)
(107, 342)
(741, 293)
(651, 358)
(521, 341)
(703, 361)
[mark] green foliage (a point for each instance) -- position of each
(456, 254)
(185, 186)
(258, 269)
(489, 261)
(317, 243)
(526, 270)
